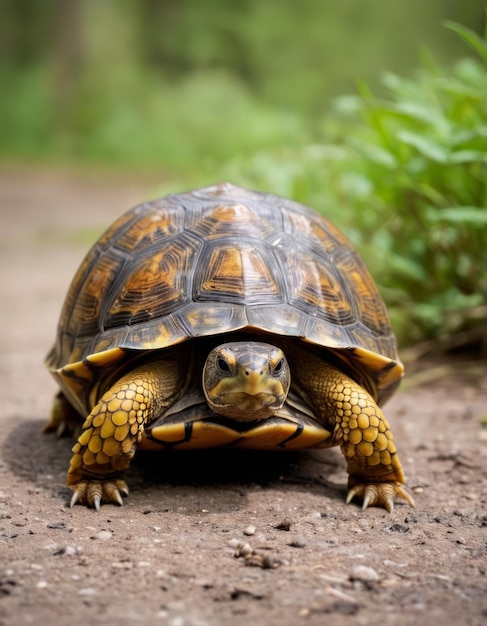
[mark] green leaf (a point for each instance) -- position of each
(469, 134)
(457, 87)
(377, 154)
(471, 215)
(423, 113)
(468, 156)
(476, 42)
(425, 146)
(407, 268)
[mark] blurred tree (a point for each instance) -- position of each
(65, 58)
(72, 68)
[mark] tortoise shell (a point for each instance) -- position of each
(215, 261)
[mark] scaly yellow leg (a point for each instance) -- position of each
(115, 426)
(360, 427)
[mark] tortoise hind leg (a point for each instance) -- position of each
(115, 427)
(361, 429)
(65, 419)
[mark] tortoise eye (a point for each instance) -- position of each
(278, 367)
(223, 366)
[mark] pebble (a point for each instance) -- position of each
(104, 535)
(5, 512)
(364, 573)
(298, 542)
(68, 550)
(284, 525)
(57, 526)
(241, 548)
(389, 563)
(87, 591)
(249, 531)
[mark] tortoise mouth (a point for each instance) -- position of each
(245, 407)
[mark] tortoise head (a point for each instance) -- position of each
(246, 381)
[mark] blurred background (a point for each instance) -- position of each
(374, 113)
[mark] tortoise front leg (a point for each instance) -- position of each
(361, 429)
(114, 428)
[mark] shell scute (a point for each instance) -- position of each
(153, 285)
(240, 274)
(317, 289)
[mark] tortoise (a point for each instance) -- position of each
(224, 317)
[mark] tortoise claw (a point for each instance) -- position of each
(379, 494)
(74, 499)
(94, 492)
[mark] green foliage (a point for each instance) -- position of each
(181, 84)
(203, 119)
(406, 177)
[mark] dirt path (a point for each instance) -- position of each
(168, 556)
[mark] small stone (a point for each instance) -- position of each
(483, 434)
(389, 563)
(399, 528)
(5, 512)
(284, 525)
(104, 535)
(364, 574)
(87, 591)
(57, 526)
(243, 549)
(249, 531)
(298, 542)
(67, 550)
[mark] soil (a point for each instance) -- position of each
(217, 538)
